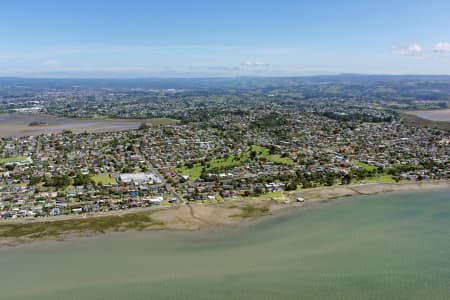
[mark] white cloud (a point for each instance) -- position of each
(254, 64)
(442, 47)
(414, 50)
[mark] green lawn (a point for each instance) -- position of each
(228, 162)
(193, 173)
(380, 178)
(12, 159)
(233, 161)
(260, 150)
(263, 152)
(220, 163)
(103, 178)
(365, 166)
(276, 158)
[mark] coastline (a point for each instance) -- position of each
(189, 217)
(417, 120)
(20, 125)
(435, 115)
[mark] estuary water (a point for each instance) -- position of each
(391, 246)
(442, 115)
(17, 124)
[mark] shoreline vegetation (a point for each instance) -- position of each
(188, 217)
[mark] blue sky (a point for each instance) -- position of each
(223, 38)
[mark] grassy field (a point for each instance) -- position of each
(103, 178)
(276, 158)
(228, 162)
(380, 178)
(233, 161)
(365, 166)
(11, 159)
(263, 152)
(377, 178)
(219, 163)
(193, 172)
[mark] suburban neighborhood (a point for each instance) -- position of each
(235, 152)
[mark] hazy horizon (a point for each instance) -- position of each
(138, 39)
(193, 77)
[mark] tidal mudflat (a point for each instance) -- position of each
(17, 124)
(441, 115)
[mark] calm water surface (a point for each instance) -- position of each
(394, 246)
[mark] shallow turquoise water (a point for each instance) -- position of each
(393, 246)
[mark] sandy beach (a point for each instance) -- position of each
(190, 216)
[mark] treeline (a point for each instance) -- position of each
(62, 181)
(310, 180)
(269, 121)
(424, 165)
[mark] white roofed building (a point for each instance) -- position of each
(139, 178)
